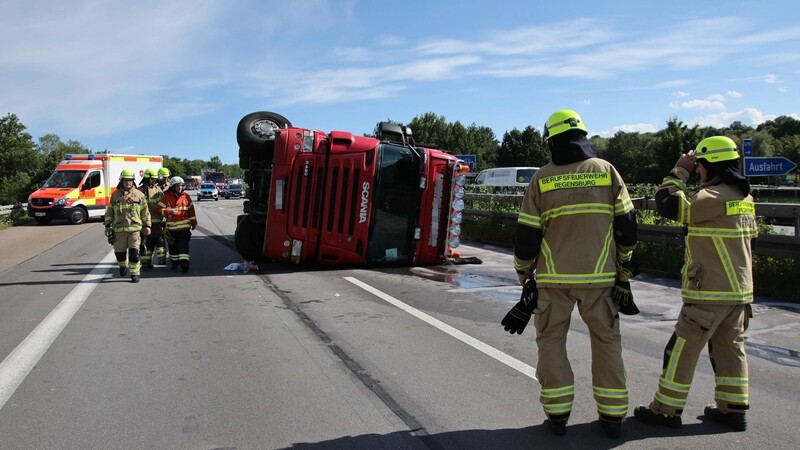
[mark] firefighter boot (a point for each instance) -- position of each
(558, 424)
(134, 278)
(123, 271)
(184, 266)
(612, 426)
(646, 415)
(737, 421)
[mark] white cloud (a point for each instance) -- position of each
(733, 94)
(702, 104)
(771, 78)
(629, 128)
(680, 94)
(748, 116)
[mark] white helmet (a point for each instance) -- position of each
(176, 180)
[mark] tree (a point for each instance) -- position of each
(52, 150)
(522, 148)
(18, 160)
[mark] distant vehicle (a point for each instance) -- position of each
(506, 179)
(207, 190)
(218, 178)
(233, 191)
(81, 185)
(189, 184)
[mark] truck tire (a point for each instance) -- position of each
(78, 216)
(256, 134)
(249, 239)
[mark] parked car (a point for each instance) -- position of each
(234, 191)
(506, 179)
(207, 190)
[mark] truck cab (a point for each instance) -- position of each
(340, 198)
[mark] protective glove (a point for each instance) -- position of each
(517, 319)
(110, 235)
(621, 292)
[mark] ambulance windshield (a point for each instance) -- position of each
(65, 179)
(396, 205)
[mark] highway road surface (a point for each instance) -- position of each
(325, 358)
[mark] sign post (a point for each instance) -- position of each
(747, 147)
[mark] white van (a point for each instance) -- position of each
(506, 179)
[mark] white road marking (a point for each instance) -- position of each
(19, 363)
(510, 361)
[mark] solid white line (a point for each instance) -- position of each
(510, 361)
(24, 358)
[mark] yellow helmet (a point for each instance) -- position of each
(163, 172)
(716, 148)
(561, 121)
(150, 173)
(126, 174)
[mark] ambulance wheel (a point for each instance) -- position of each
(42, 220)
(77, 216)
(256, 134)
(249, 239)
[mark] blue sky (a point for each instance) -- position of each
(174, 77)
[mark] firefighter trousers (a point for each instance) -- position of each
(179, 247)
(126, 250)
(722, 327)
(552, 320)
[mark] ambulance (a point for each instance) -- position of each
(81, 186)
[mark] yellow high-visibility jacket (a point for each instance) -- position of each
(574, 206)
(720, 223)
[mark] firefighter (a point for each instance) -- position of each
(575, 227)
(128, 216)
(717, 284)
(177, 208)
(154, 243)
(163, 178)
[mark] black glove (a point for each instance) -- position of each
(110, 235)
(621, 292)
(517, 319)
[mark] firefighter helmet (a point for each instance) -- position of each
(126, 174)
(716, 148)
(176, 180)
(163, 172)
(561, 121)
(150, 173)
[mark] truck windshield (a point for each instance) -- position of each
(396, 205)
(64, 179)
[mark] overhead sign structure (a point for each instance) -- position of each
(471, 160)
(765, 166)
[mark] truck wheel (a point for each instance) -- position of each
(256, 133)
(42, 220)
(77, 216)
(249, 239)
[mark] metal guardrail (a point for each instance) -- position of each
(13, 209)
(766, 245)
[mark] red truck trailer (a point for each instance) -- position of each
(340, 198)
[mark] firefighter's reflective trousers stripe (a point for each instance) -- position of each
(722, 327)
(552, 319)
(127, 241)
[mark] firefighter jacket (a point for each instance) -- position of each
(127, 211)
(573, 207)
(178, 211)
(153, 195)
(720, 223)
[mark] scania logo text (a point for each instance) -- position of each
(362, 214)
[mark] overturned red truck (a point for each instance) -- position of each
(341, 198)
